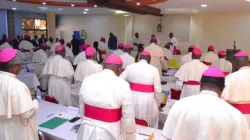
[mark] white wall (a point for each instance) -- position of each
(95, 25)
(220, 30)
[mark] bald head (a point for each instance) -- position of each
(241, 62)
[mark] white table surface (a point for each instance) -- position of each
(30, 79)
(63, 132)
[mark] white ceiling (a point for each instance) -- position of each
(190, 6)
(171, 6)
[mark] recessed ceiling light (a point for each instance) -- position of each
(138, 3)
(13, 8)
(95, 6)
(72, 5)
(60, 9)
(13, 0)
(203, 5)
(44, 3)
(84, 12)
(86, 9)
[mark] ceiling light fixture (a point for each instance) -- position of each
(203, 5)
(95, 6)
(13, 8)
(13, 0)
(86, 9)
(72, 5)
(60, 9)
(44, 3)
(84, 12)
(138, 3)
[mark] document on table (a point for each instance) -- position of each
(53, 123)
(141, 136)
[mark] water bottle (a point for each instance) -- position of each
(38, 95)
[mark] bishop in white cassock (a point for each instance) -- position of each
(190, 74)
(81, 56)
(222, 63)
(209, 57)
(106, 105)
(206, 116)
(136, 42)
(69, 54)
(49, 43)
(53, 48)
(40, 58)
(126, 57)
(103, 48)
(60, 73)
(167, 56)
(27, 48)
(119, 51)
(17, 109)
(145, 83)
(187, 57)
(157, 54)
(173, 42)
(7, 45)
(237, 89)
(87, 67)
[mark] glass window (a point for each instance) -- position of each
(34, 27)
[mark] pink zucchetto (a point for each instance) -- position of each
(9, 40)
(90, 51)
(197, 51)
(127, 46)
(211, 48)
(241, 54)
(68, 44)
(121, 45)
(154, 38)
(27, 37)
(59, 48)
(145, 53)
(85, 46)
(7, 54)
(43, 45)
(213, 72)
(222, 53)
(113, 59)
(192, 47)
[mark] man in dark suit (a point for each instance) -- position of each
(112, 44)
(3, 40)
(42, 39)
(35, 41)
(75, 44)
(16, 42)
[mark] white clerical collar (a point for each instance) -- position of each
(143, 61)
(10, 74)
(109, 71)
(209, 92)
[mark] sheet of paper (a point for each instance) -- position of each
(141, 137)
(65, 115)
(72, 110)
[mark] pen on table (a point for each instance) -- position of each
(143, 134)
(50, 115)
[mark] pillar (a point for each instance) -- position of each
(51, 24)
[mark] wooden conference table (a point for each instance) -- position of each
(64, 132)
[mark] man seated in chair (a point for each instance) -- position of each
(144, 80)
(190, 73)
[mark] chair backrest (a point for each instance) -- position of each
(40, 135)
(141, 122)
(178, 52)
(50, 99)
(175, 94)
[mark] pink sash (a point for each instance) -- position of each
(226, 73)
(192, 83)
(243, 108)
(102, 114)
(207, 63)
(142, 87)
(103, 52)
